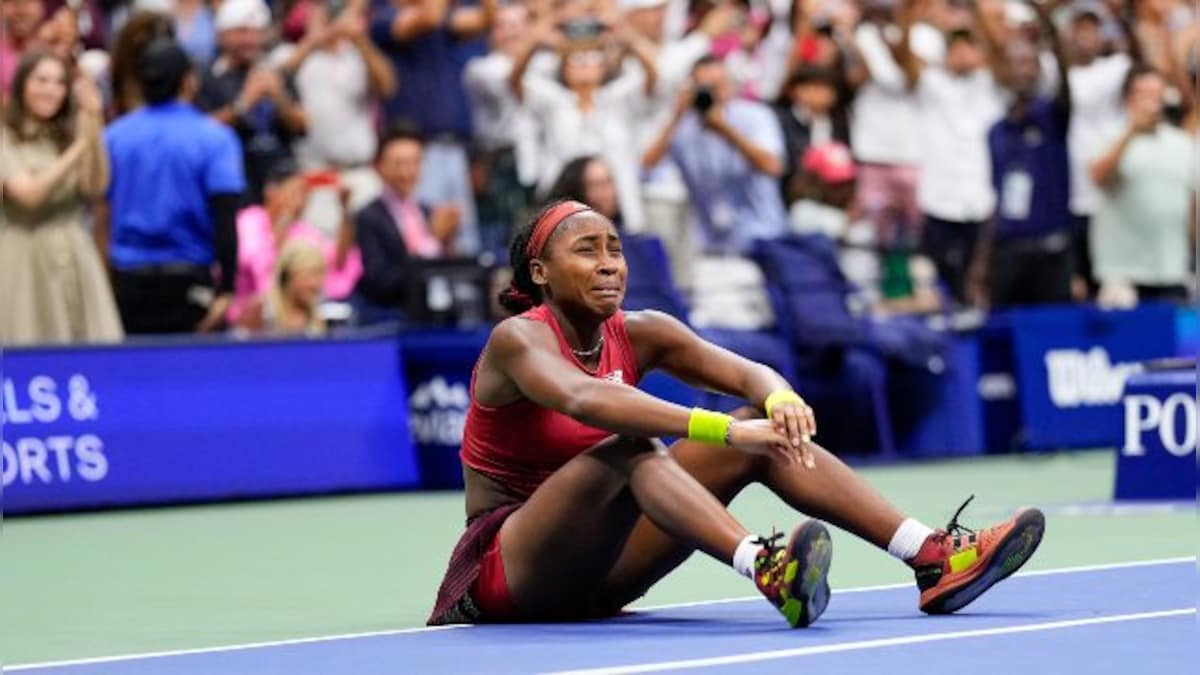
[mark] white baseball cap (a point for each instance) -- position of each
(160, 6)
(243, 14)
(1017, 13)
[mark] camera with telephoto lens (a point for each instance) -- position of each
(703, 100)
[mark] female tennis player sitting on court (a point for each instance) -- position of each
(575, 511)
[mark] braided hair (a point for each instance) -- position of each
(523, 294)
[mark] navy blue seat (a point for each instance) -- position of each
(650, 286)
(839, 368)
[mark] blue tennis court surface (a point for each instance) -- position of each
(1130, 618)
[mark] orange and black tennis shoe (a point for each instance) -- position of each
(956, 565)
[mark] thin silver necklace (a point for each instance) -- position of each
(589, 353)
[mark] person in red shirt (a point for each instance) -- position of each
(574, 511)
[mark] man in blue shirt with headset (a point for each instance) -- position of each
(177, 182)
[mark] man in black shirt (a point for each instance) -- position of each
(248, 95)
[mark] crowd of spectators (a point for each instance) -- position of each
(174, 166)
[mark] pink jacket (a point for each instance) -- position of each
(257, 253)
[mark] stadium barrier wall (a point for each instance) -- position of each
(1157, 456)
(173, 421)
(136, 424)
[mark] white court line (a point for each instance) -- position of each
(224, 648)
(427, 629)
(753, 657)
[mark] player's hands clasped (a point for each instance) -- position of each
(760, 437)
(795, 419)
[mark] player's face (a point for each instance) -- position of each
(586, 268)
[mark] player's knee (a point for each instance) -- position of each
(624, 452)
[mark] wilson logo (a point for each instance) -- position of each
(1077, 378)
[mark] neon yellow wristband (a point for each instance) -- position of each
(781, 396)
(707, 426)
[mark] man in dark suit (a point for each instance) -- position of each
(395, 228)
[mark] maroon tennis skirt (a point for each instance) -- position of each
(454, 602)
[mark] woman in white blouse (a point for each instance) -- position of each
(586, 110)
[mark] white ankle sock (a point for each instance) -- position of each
(906, 543)
(743, 557)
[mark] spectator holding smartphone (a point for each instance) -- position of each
(1140, 233)
(584, 111)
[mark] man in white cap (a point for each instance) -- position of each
(248, 95)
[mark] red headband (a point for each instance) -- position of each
(550, 220)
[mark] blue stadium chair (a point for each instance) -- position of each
(839, 368)
(764, 347)
(650, 286)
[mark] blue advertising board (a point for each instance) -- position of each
(1156, 458)
(154, 423)
(437, 366)
(1072, 364)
